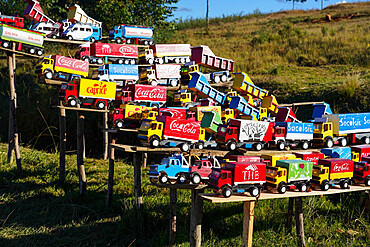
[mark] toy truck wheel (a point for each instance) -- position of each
(32, 50)
(181, 179)
(195, 179)
(325, 186)
(173, 83)
(303, 187)
(86, 59)
(92, 39)
(70, 37)
(100, 105)
(150, 61)
(49, 75)
(367, 182)
(119, 124)
(344, 184)
(254, 191)
(258, 146)
(365, 140)
(231, 146)
(39, 52)
(6, 44)
(223, 78)
(305, 145)
(227, 192)
(329, 143)
(54, 36)
(217, 79)
(99, 61)
(282, 188)
(177, 60)
(184, 147)
(146, 42)
(343, 142)
(151, 42)
(154, 83)
(132, 61)
(163, 179)
(281, 145)
(118, 40)
(154, 142)
(72, 102)
(120, 61)
(200, 145)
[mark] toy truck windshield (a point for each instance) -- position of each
(145, 125)
(222, 129)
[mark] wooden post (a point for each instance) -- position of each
(111, 170)
(290, 214)
(144, 158)
(173, 212)
(248, 218)
(299, 220)
(62, 145)
(137, 181)
(196, 218)
(80, 151)
(13, 131)
(106, 139)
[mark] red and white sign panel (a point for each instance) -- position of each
(181, 129)
(143, 92)
(114, 50)
(71, 63)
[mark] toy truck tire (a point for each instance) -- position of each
(54, 36)
(163, 178)
(365, 140)
(282, 188)
(92, 39)
(231, 146)
(32, 50)
(39, 52)
(119, 124)
(100, 105)
(254, 191)
(118, 40)
(48, 74)
(344, 184)
(227, 191)
(200, 145)
(325, 185)
(329, 143)
(154, 142)
(223, 78)
(305, 145)
(367, 181)
(154, 83)
(70, 37)
(196, 178)
(281, 145)
(99, 61)
(257, 146)
(173, 82)
(217, 79)
(86, 59)
(343, 142)
(181, 179)
(303, 187)
(72, 102)
(6, 44)
(184, 147)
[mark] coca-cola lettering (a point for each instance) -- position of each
(187, 128)
(72, 63)
(341, 167)
(153, 94)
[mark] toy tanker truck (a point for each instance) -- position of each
(128, 34)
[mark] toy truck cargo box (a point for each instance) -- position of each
(164, 50)
(250, 130)
(349, 123)
(113, 50)
(297, 131)
(136, 32)
(25, 36)
(181, 129)
(310, 156)
(339, 168)
(298, 170)
(250, 172)
(70, 65)
(148, 93)
(118, 72)
(338, 152)
(133, 112)
(167, 71)
(204, 56)
(275, 157)
(200, 109)
(175, 112)
(361, 150)
(97, 89)
(242, 158)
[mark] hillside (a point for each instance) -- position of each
(297, 55)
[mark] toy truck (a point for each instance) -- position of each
(337, 152)
(34, 12)
(27, 40)
(215, 77)
(201, 169)
(238, 177)
(211, 120)
(12, 20)
(138, 35)
(103, 53)
(76, 14)
(343, 129)
(199, 111)
(51, 30)
(244, 85)
(121, 73)
(87, 92)
(242, 106)
(244, 134)
(161, 74)
(359, 152)
(314, 157)
(182, 98)
(170, 168)
(275, 157)
(361, 173)
(60, 67)
(142, 94)
(127, 115)
(289, 134)
(83, 31)
(172, 132)
(203, 56)
(331, 172)
(289, 174)
(165, 53)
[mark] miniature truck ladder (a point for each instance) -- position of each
(241, 105)
(34, 12)
(199, 84)
(76, 14)
(243, 84)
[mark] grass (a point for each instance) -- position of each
(36, 211)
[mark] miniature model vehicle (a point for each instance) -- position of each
(361, 173)
(215, 77)
(127, 115)
(12, 20)
(51, 30)
(121, 73)
(203, 56)
(82, 31)
(129, 34)
(330, 172)
(161, 74)
(337, 152)
(314, 157)
(292, 135)
(289, 174)
(142, 94)
(359, 152)
(166, 53)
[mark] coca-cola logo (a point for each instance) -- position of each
(126, 50)
(97, 89)
(73, 63)
(154, 93)
(187, 128)
(341, 167)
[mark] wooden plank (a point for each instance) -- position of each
(299, 221)
(62, 145)
(80, 109)
(212, 197)
(137, 181)
(300, 104)
(196, 218)
(106, 141)
(65, 41)
(182, 186)
(248, 219)
(173, 213)
(20, 52)
(111, 170)
(80, 148)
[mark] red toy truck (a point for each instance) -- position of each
(360, 151)
(238, 177)
(142, 94)
(330, 172)
(102, 53)
(201, 169)
(204, 56)
(314, 157)
(361, 173)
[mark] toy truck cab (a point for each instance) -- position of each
(361, 173)
(220, 179)
(323, 132)
(82, 31)
(147, 56)
(227, 135)
(68, 93)
(170, 168)
(181, 98)
(151, 132)
(83, 52)
(45, 67)
(201, 169)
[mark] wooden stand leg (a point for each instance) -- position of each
(137, 181)
(111, 171)
(144, 159)
(106, 139)
(299, 220)
(80, 148)
(62, 145)
(248, 218)
(173, 208)
(290, 214)
(196, 218)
